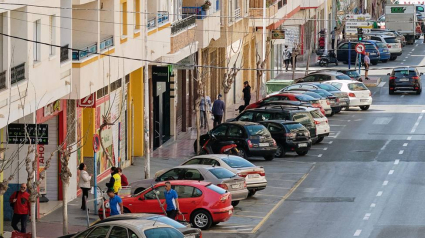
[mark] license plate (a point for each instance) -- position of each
(404, 80)
(235, 186)
(191, 236)
(253, 175)
(364, 100)
(230, 212)
(372, 53)
(342, 103)
(302, 145)
(264, 144)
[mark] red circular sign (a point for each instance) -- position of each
(360, 48)
(96, 142)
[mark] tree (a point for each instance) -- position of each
(260, 69)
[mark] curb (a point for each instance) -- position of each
(378, 81)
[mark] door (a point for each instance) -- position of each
(150, 203)
(236, 134)
(189, 199)
(277, 133)
(342, 52)
(161, 105)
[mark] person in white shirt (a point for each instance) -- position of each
(84, 183)
(286, 57)
(366, 61)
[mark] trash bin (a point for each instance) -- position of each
(275, 85)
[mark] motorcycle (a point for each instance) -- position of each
(214, 146)
(324, 60)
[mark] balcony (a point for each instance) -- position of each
(64, 54)
(237, 14)
(152, 23)
(81, 54)
(183, 24)
(163, 17)
(197, 11)
(17, 73)
(107, 43)
(256, 8)
(3, 80)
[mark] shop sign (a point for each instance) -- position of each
(38, 134)
(186, 63)
(278, 34)
(42, 165)
(52, 108)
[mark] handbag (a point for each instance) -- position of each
(12, 204)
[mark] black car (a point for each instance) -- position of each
(280, 112)
(352, 73)
(405, 79)
(333, 100)
(290, 136)
(252, 139)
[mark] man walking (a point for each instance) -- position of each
(286, 57)
(21, 208)
(333, 34)
(204, 106)
(218, 110)
(366, 61)
(115, 203)
(171, 200)
(246, 93)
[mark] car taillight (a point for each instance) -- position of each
(274, 143)
(327, 102)
(263, 173)
(317, 122)
(392, 78)
(370, 94)
(291, 135)
(337, 100)
(242, 174)
(249, 144)
(223, 186)
(224, 197)
(200, 234)
(351, 95)
(244, 183)
(415, 77)
(388, 45)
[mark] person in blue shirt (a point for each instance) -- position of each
(115, 203)
(171, 200)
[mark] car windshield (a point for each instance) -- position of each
(352, 73)
(381, 45)
(390, 40)
(327, 87)
(162, 232)
(257, 130)
(294, 127)
(370, 47)
(167, 221)
(237, 162)
(343, 77)
(357, 87)
(222, 173)
(304, 98)
(404, 73)
(316, 114)
(304, 118)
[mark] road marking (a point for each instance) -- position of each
(367, 216)
(397, 161)
(379, 193)
(417, 122)
(336, 135)
(404, 60)
(391, 172)
(401, 63)
(357, 233)
(319, 155)
(248, 216)
(405, 144)
(405, 57)
(381, 84)
(330, 142)
(409, 138)
(297, 184)
(402, 96)
(326, 148)
(373, 205)
(338, 125)
(385, 145)
(401, 152)
(385, 183)
(420, 117)
(382, 120)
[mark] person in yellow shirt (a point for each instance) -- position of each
(115, 181)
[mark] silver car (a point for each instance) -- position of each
(255, 176)
(219, 176)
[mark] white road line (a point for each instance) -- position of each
(379, 193)
(381, 84)
(326, 148)
(330, 142)
(335, 136)
(338, 125)
(385, 145)
(401, 63)
(367, 216)
(391, 172)
(401, 152)
(405, 144)
(420, 117)
(372, 205)
(397, 161)
(385, 183)
(402, 96)
(319, 155)
(357, 233)
(409, 138)
(417, 122)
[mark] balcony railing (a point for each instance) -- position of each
(237, 13)
(197, 11)
(84, 53)
(281, 3)
(109, 42)
(3, 79)
(183, 24)
(152, 23)
(64, 53)
(163, 17)
(17, 73)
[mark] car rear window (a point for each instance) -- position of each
(294, 127)
(323, 93)
(257, 130)
(167, 221)
(303, 117)
(404, 73)
(304, 98)
(216, 189)
(370, 47)
(237, 162)
(163, 232)
(222, 173)
(343, 77)
(390, 40)
(381, 45)
(316, 114)
(357, 87)
(327, 87)
(352, 73)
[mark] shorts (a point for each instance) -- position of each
(172, 214)
(366, 68)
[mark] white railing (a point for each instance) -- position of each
(237, 13)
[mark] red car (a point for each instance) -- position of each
(201, 203)
(288, 96)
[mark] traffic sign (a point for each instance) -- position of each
(96, 143)
(360, 48)
(357, 23)
(352, 30)
(361, 17)
(88, 101)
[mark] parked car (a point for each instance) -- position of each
(322, 124)
(352, 73)
(343, 52)
(278, 112)
(252, 139)
(405, 79)
(360, 95)
(324, 102)
(201, 203)
(255, 176)
(343, 99)
(384, 52)
(218, 176)
(290, 137)
(393, 46)
(321, 76)
(288, 103)
(287, 97)
(132, 228)
(186, 230)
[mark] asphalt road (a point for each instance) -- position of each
(364, 180)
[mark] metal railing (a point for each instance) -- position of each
(237, 13)
(197, 11)
(163, 17)
(84, 53)
(152, 23)
(217, 5)
(64, 56)
(3, 79)
(106, 43)
(183, 24)
(17, 73)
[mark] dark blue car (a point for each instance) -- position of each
(384, 52)
(342, 53)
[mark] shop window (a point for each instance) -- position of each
(116, 85)
(102, 92)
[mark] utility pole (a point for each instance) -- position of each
(326, 19)
(264, 50)
(146, 99)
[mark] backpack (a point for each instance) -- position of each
(12, 204)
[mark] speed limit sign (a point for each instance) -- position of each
(360, 48)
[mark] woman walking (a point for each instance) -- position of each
(84, 184)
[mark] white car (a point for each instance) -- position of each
(359, 94)
(255, 176)
(393, 45)
(322, 124)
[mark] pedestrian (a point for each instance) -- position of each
(114, 181)
(423, 31)
(218, 110)
(286, 57)
(124, 180)
(333, 35)
(21, 208)
(172, 202)
(366, 62)
(115, 203)
(204, 107)
(84, 184)
(246, 93)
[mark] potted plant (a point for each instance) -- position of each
(206, 5)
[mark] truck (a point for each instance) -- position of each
(402, 18)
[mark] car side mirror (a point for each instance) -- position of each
(141, 198)
(388, 74)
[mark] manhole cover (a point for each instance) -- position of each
(323, 199)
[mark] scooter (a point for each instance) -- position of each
(324, 60)
(214, 146)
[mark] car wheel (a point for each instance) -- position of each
(269, 157)
(364, 108)
(138, 190)
(302, 153)
(418, 92)
(235, 203)
(320, 139)
(201, 219)
(126, 210)
(242, 153)
(251, 193)
(392, 58)
(280, 151)
(391, 92)
(385, 61)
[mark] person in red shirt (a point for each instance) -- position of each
(124, 181)
(21, 208)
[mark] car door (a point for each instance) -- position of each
(342, 52)
(236, 134)
(148, 202)
(277, 132)
(189, 199)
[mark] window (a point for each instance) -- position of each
(192, 174)
(235, 131)
(131, 234)
(124, 19)
(222, 173)
(246, 7)
(316, 114)
(237, 162)
(304, 98)
(375, 38)
(100, 231)
(344, 47)
(187, 191)
(102, 92)
(118, 232)
(136, 15)
(263, 116)
(357, 87)
(116, 85)
(327, 87)
(321, 77)
(337, 85)
(211, 162)
(294, 127)
(303, 118)
(280, 116)
(273, 128)
(271, 99)
(308, 79)
(84, 233)
(165, 220)
(163, 232)
(216, 189)
(220, 130)
(343, 77)
(37, 37)
(52, 35)
(151, 194)
(390, 40)
(173, 174)
(194, 161)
